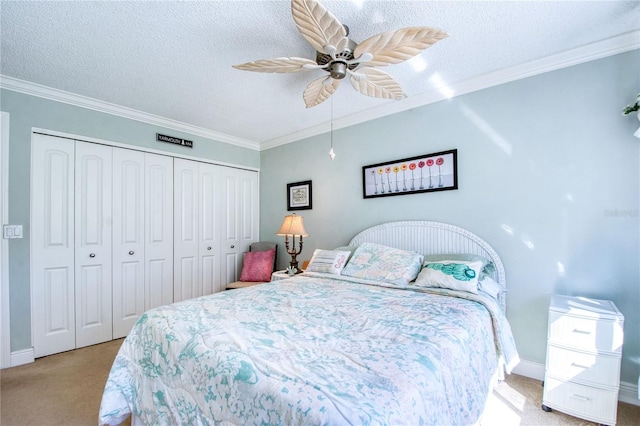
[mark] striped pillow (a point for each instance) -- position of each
(328, 261)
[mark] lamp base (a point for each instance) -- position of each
(294, 253)
(294, 265)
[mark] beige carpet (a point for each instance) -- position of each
(66, 389)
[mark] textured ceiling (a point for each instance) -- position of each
(173, 59)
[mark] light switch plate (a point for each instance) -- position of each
(11, 231)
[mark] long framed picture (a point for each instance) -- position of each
(425, 173)
(299, 196)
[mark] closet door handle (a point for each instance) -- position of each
(233, 246)
(131, 253)
(92, 255)
(209, 248)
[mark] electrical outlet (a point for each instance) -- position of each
(11, 231)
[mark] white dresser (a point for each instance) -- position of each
(584, 350)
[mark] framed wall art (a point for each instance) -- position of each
(299, 196)
(426, 173)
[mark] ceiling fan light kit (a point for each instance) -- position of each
(340, 56)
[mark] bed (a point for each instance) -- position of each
(371, 333)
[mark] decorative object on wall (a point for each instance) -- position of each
(425, 173)
(174, 140)
(634, 108)
(293, 226)
(339, 56)
(299, 196)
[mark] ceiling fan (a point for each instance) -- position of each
(340, 56)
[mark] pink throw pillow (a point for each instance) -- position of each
(257, 266)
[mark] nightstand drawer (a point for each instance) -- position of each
(585, 333)
(572, 365)
(589, 403)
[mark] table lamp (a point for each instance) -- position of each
(293, 226)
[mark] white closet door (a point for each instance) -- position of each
(52, 245)
(240, 224)
(158, 248)
(186, 223)
(231, 249)
(93, 186)
(209, 243)
(128, 239)
(248, 216)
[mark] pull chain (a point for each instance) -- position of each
(332, 154)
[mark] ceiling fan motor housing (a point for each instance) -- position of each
(338, 67)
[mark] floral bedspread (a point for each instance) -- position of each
(310, 350)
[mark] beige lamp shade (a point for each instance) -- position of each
(292, 225)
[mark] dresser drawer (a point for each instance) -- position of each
(589, 403)
(585, 333)
(573, 365)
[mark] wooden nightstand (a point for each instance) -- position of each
(279, 275)
(243, 284)
(584, 350)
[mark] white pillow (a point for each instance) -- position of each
(451, 274)
(489, 286)
(385, 264)
(328, 261)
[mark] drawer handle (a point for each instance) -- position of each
(581, 397)
(575, 330)
(573, 364)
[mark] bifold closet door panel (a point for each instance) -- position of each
(232, 251)
(210, 207)
(128, 239)
(52, 245)
(198, 209)
(158, 248)
(240, 219)
(186, 230)
(93, 229)
(249, 209)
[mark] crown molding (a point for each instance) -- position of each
(46, 92)
(601, 49)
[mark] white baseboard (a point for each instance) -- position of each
(24, 356)
(534, 370)
(629, 393)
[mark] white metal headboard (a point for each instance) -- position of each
(428, 237)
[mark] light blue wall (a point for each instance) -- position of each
(27, 112)
(548, 175)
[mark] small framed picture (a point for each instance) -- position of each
(299, 196)
(437, 171)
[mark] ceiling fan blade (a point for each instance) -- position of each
(319, 91)
(317, 25)
(393, 47)
(280, 65)
(375, 83)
